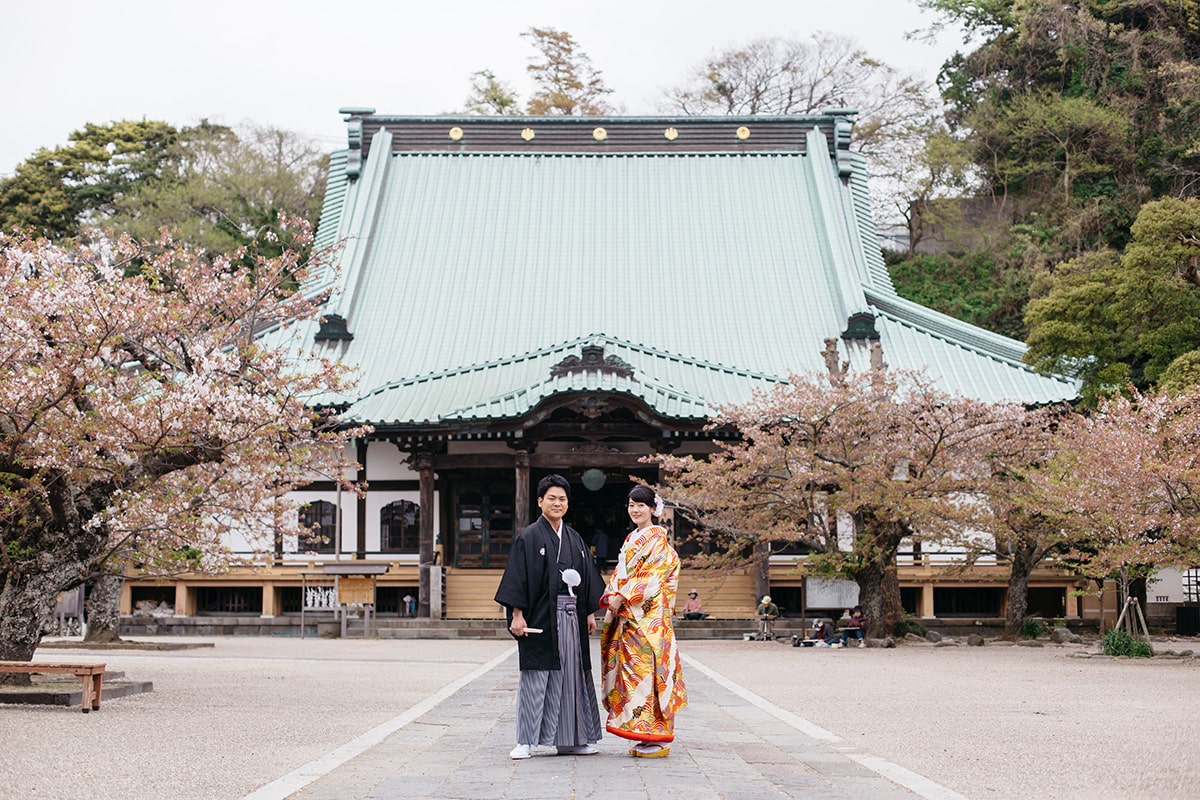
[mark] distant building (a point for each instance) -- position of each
(523, 296)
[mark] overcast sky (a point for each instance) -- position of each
(292, 64)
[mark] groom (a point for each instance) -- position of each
(556, 698)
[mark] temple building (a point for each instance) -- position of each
(527, 295)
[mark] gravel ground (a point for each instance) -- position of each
(221, 721)
(990, 722)
(993, 721)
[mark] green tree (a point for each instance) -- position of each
(1074, 115)
(55, 192)
(923, 177)
(491, 96)
(1114, 319)
(221, 188)
(1042, 143)
(1111, 87)
(215, 187)
(983, 288)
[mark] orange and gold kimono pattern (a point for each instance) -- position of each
(642, 679)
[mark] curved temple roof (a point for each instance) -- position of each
(710, 261)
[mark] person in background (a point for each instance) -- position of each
(856, 627)
(600, 547)
(642, 676)
(693, 607)
(551, 591)
(768, 612)
(823, 633)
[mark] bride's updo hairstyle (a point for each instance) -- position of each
(646, 496)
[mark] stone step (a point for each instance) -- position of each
(392, 628)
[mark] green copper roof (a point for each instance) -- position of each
(467, 276)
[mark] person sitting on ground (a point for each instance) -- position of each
(768, 612)
(856, 627)
(693, 608)
(823, 633)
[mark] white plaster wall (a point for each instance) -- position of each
(385, 462)
(1166, 587)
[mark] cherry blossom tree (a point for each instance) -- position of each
(847, 467)
(1023, 519)
(142, 414)
(1128, 485)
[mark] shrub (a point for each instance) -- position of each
(1119, 643)
(908, 625)
(1032, 628)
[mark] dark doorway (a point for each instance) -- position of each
(968, 601)
(1047, 602)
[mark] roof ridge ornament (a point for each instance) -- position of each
(354, 138)
(333, 329)
(843, 126)
(592, 359)
(861, 325)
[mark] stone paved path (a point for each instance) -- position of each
(730, 744)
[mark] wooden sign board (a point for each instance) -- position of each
(356, 591)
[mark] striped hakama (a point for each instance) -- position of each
(558, 707)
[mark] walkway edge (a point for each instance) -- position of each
(297, 779)
(895, 773)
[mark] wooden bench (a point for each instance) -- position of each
(91, 675)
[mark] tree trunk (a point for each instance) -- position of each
(1100, 595)
(26, 607)
(762, 570)
(1137, 590)
(1018, 592)
(104, 608)
(879, 596)
(877, 540)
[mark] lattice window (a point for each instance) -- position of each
(221, 600)
(318, 527)
(1191, 585)
(485, 524)
(400, 527)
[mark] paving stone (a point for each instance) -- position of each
(725, 749)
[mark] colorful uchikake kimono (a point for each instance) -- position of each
(642, 680)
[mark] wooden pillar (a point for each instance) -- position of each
(521, 493)
(927, 601)
(182, 606)
(667, 445)
(360, 455)
(268, 599)
(423, 463)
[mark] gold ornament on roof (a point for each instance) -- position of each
(743, 133)
(456, 133)
(671, 134)
(599, 134)
(527, 134)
